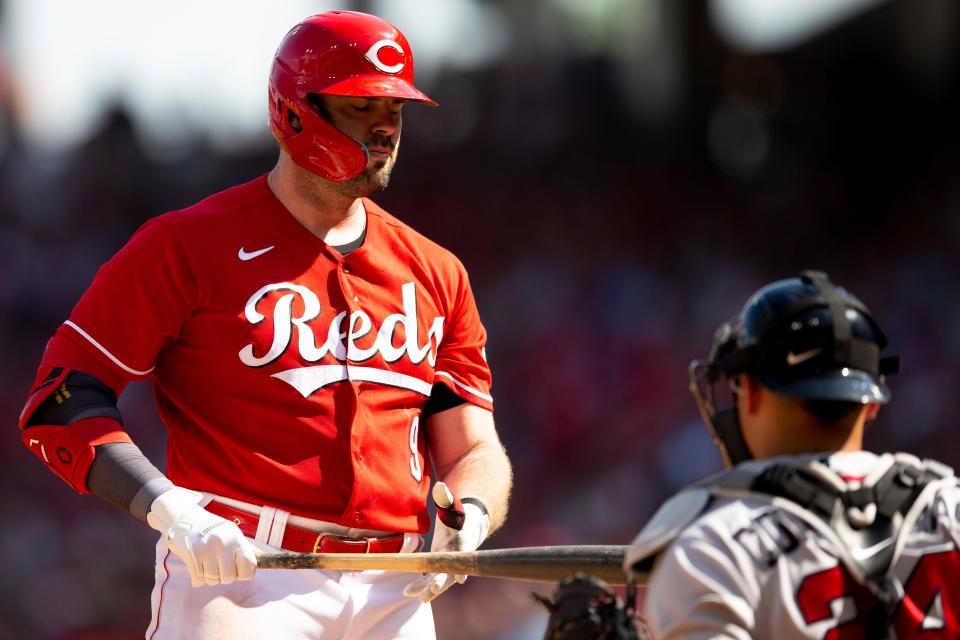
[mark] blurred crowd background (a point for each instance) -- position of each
(617, 176)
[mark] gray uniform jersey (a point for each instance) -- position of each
(757, 568)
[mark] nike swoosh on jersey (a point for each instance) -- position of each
(797, 358)
(243, 255)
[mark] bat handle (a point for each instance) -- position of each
(449, 508)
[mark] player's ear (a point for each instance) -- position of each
(295, 121)
(871, 412)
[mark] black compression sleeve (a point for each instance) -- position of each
(122, 475)
(80, 396)
(441, 399)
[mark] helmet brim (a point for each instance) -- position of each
(851, 385)
(378, 86)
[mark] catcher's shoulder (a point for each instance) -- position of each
(701, 510)
(670, 520)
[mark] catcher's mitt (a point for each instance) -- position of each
(584, 607)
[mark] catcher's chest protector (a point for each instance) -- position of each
(863, 523)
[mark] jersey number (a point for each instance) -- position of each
(415, 469)
(929, 609)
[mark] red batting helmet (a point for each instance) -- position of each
(341, 53)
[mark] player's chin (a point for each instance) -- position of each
(368, 182)
(378, 176)
(380, 164)
(380, 185)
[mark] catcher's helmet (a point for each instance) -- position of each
(343, 53)
(800, 337)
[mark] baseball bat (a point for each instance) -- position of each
(532, 564)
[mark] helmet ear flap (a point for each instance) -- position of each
(326, 150)
(318, 146)
(280, 110)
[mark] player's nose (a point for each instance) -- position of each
(385, 122)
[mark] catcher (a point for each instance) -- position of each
(808, 536)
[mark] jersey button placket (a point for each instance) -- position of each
(346, 289)
(345, 269)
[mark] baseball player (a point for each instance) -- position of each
(310, 354)
(808, 536)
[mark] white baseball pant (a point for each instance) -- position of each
(287, 604)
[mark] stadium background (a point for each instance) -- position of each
(617, 176)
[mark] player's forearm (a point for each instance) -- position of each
(75, 409)
(483, 472)
(124, 477)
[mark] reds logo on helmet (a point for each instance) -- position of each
(373, 55)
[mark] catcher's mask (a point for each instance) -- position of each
(801, 337)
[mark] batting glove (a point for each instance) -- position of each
(213, 548)
(459, 527)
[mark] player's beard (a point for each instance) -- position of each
(374, 178)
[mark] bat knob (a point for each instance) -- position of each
(449, 508)
(442, 495)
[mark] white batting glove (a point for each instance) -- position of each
(469, 537)
(213, 548)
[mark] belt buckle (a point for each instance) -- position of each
(316, 543)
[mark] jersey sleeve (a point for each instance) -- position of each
(461, 358)
(137, 304)
(697, 591)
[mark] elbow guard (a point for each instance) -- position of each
(68, 448)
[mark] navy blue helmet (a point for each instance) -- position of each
(800, 337)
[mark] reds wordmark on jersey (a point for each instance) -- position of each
(286, 374)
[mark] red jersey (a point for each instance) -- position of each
(286, 374)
